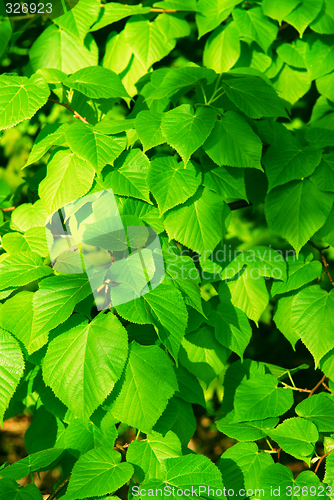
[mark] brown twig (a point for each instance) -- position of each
(165, 11)
(60, 487)
(320, 460)
(323, 259)
(285, 25)
(10, 209)
(67, 106)
(316, 386)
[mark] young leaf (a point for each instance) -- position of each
(139, 404)
(319, 409)
(252, 24)
(22, 268)
(51, 135)
(222, 49)
(89, 352)
(33, 240)
(148, 127)
(21, 98)
(11, 369)
(28, 216)
(186, 130)
(96, 82)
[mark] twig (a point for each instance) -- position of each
(320, 460)
(316, 386)
(323, 259)
(10, 209)
(165, 11)
(60, 487)
(285, 25)
(235, 205)
(294, 388)
(67, 106)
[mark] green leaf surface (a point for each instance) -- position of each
(297, 210)
(22, 268)
(68, 178)
(83, 364)
(186, 130)
(260, 398)
(300, 271)
(233, 143)
(11, 369)
(98, 472)
(283, 319)
(279, 11)
(113, 12)
(139, 404)
(96, 82)
(228, 182)
(324, 22)
(304, 14)
(319, 409)
(246, 431)
(94, 147)
(171, 183)
(183, 78)
(28, 216)
(148, 127)
(319, 56)
(211, 13)
(199, 223)
(297, 437)
(50, 135)
(39, 461)
(34, 240)
(253, 25)
(21, 98)
(79, 19)
(323, 176)
(222, 49)
(312, 313)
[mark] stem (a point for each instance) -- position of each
(291, 379)
(268, 443)
(165, 11)
(137, 435)
(316, 386)
(10, 209)
(323, 259)
(60, 487)
(320, 460)
(204, 96)
(67, 106)
(294, 388)
(215, 99)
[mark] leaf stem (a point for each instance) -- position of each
(316, 386)
(137, 435)
(67, 106)
(323, 259)
(60, 487)
(204, 96)
(320, 460)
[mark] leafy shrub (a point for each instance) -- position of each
(211, 124)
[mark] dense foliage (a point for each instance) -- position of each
(211, 123)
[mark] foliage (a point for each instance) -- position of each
(212, 124)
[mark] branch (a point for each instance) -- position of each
(60, 487)
(320, 460)
(285, 25)
(165, 11)
(323, 259)
(235, 205)
(316, 386)
(67, 106)
(10, 209)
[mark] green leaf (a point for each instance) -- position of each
(80, 437)
(129, 176)
(21, 98)
(300, 271)
(232, 328)
(83, 364)
(150, 453)
(98, 472)
(79, 19)
(291, 84)
(283, 319)
(186, 130)
(173, 25)
(190, 390)
(324, 22)
(178, 417)
(146, 40)
(233, 143)
(22, 268)
(183, 78)
(96, 82)
(249, 293)
(55, 300)
(58, 49)
(327, 230)
(278, 479)
(246, 431)
(222, 49)
(323, 176)
(33, 240)
(288, 162)
(253, 96)
(304, 14)
(28, 216)
(244, 458)
(228, 182)
(39, 461)
(93, 146)
(113, 12)
(211, 13)
(312, 315)
(199, 223)
(253, 25)
(11, 490)
(138, 403)
(319, 409)
(202, 355)
(68, 178)
(170, 182)
(279, 10)
(319, 55)
(297, 437)
(16, 317)
(260, 398)
(176, 4)
(51, 135)
(11, 369)
(325, 86)
(297, 210)
(148, 127)
(294, 54)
